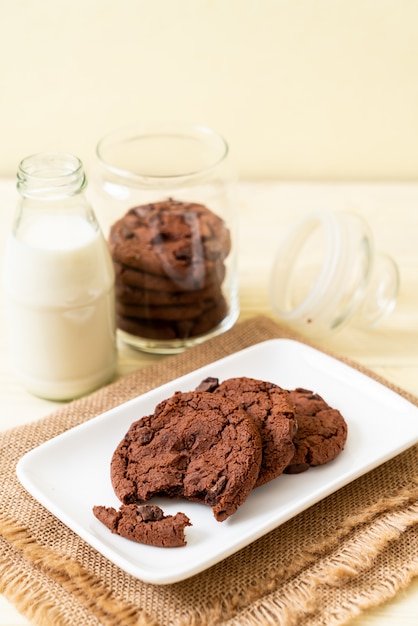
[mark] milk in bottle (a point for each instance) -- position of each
(59, 283)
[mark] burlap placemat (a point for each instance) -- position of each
(351, 551)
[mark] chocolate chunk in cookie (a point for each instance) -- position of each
(208, 384)
(273, 413)
(145, 524)
(321, 434)
(195, 445)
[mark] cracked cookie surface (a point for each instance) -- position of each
(273, 413)
(321, 434)
(195, 445)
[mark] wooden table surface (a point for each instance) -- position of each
(266, 209)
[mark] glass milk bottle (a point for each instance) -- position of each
(59, 283)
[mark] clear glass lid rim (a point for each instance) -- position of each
(160, 130)
(329, 284)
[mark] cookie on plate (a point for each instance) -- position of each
(321, 434)
(195, 445)
(273, 413)
(145, 524)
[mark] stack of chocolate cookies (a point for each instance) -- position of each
(169, 264)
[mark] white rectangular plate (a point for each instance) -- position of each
(70, 473)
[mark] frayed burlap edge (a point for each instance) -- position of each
(345, 574)
(33, 598)
(79, 588)
(297, 595)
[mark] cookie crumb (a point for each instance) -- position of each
(145, 524)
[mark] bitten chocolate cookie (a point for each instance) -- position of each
(273, 413)
(321, 434)
(145, 524)
(178, 240)
(195, 445)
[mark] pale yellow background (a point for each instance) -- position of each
(302, 89)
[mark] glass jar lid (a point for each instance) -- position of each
(326, 272)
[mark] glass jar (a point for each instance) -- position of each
(327, 273)
(168, 199)
(59, 283)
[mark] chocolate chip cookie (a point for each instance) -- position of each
(177, 240)
(321, 434)
(273, 413)
(127, 294)
(197, 445)
(179, 327)
(134, 277)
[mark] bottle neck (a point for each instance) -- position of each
(50, 175)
